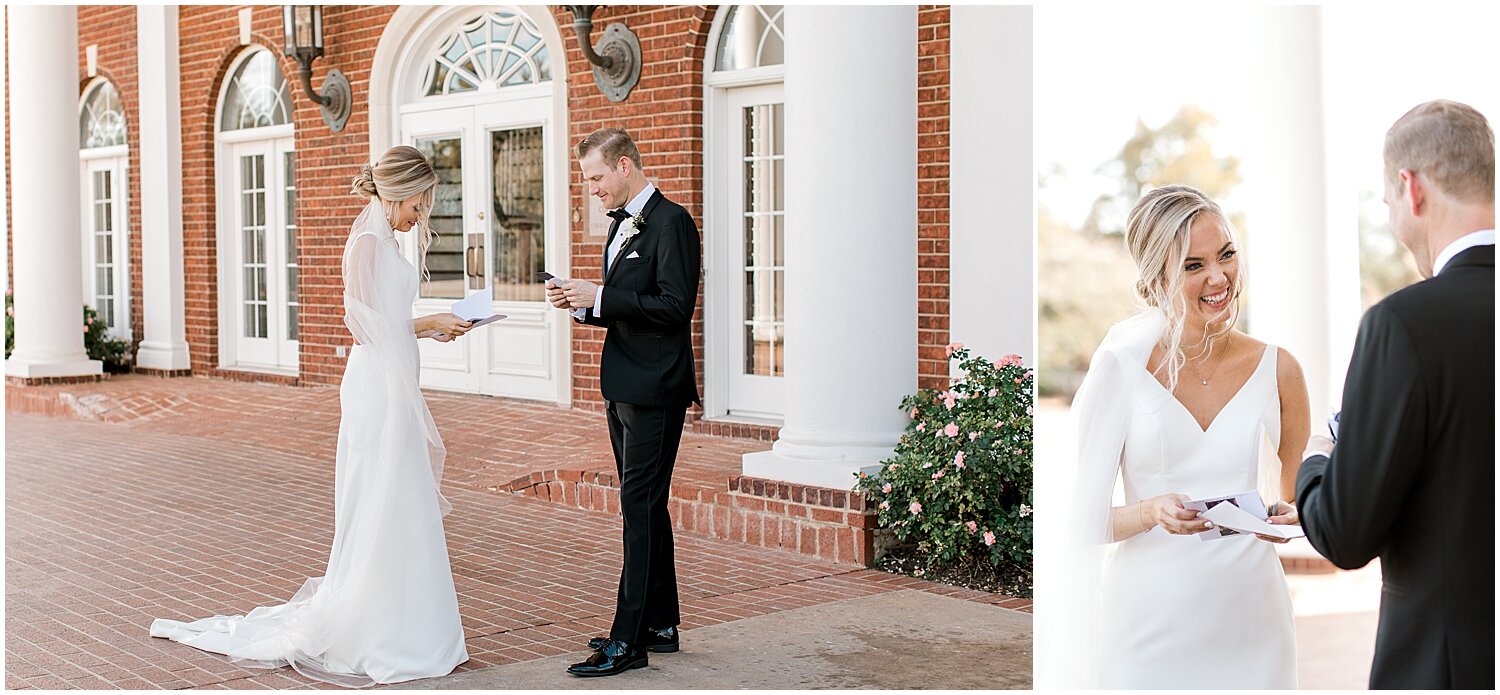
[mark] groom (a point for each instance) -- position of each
(651, 266)
(1412, 478)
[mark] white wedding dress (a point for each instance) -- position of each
(385, 610)
(1180, 611)
(1157, 610)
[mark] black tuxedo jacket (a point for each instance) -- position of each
(1412, 478)
(648, 300)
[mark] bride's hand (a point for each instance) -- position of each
(1281, 513)
(447, 324)
(1167, 512)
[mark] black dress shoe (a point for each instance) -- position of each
(609, 659)
(658, 640)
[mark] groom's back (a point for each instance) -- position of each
(1440, 560)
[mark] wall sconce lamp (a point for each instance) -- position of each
(303, 25)
(617, 61)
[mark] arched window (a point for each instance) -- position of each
(102, 121)
(495, 49)
(257, 242)
(104, 162)
(257, 95)
(752, 36)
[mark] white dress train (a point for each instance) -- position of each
(385, 610)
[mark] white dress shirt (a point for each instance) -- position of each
(1483, 237)
(632, 208)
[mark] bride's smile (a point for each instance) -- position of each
(1211, 270)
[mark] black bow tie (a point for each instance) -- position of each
(618, 214)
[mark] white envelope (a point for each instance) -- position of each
(477, 307)
(1230, 516)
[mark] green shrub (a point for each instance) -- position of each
(115, 354)
(959, 486)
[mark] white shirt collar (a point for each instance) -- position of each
(638, 203)
(1483, 237)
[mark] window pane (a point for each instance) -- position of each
(445, 258)
(752, 36)
(101, 123)
(498, 48)
(518, 225)
(253, 244)
(764, 176)
(258, 95)
(289, 218)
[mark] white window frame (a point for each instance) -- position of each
(115, 158)
(278, 139)
(719, 332)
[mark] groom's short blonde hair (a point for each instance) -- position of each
(1448, 144)
(612, 143)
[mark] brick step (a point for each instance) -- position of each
(832, 525)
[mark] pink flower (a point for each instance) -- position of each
(916, 507)
(951, 430)
(989, 538)
(1025, 511)
(958, 460)
(1008, 360)
(892, 467)
(949, 399)
(10, 311)
(1018, 380)
(927, 464)
(972, 436)
(921, 427)
(88, 320)
(954, 347)
(994, 392)
(85, 328)
(937, 475)
(886, 488)
(913, 413)
(973, 527)
(885, 504)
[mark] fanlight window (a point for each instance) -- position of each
(258, 95)
(753, 36)
(495, 49)
(102, 123)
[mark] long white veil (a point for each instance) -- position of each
(377, 310)
(1070, 560)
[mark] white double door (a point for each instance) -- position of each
(498, 218)
(259, 289)
(105, 261)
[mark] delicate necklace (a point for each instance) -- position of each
(1204, 379)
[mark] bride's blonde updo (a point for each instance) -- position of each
(1158, 234)
(402, 172)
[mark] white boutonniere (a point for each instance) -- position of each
(633, 227)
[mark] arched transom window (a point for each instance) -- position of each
(753, 36)
(102, 122)
(258, 95)
(495, 49)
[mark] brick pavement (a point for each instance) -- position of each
(191, 497)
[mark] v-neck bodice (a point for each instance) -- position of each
(1167, 450)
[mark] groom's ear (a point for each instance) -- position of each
(624, 165)
(1416, 190)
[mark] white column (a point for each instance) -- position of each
(44, 196)
(991, 301)
(164, 346)
(1303, 270)
(1286, 178)
(851, 242)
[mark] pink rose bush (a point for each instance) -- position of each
(115, 354)
(966, 495)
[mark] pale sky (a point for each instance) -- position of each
(1099, 68)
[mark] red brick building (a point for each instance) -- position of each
(842, 249)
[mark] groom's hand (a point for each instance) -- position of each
(580, 293)
(1318, 445)
(556, 297)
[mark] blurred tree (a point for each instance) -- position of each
(1086, 274)
(1384, 265)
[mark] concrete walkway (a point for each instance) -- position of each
(900, 640)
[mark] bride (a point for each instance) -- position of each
(385, 610)
(1178, 405)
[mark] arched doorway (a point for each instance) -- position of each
(104, 170)
(257, 231)
(480, 91)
